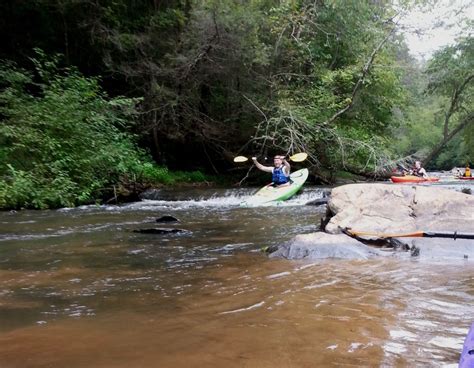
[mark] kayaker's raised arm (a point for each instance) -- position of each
(261, 167)
(287, 165)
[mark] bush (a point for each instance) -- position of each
(61, 138)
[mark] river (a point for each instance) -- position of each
(79, 288)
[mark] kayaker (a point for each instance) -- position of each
(467, 171)
(418, 170)
(280, 171)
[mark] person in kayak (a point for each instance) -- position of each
(280, 171)
(467, 172)
(418, 170)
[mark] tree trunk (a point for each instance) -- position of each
(438, 148)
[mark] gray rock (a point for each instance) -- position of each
(318, 202)
(466, 190)
(391, 209)
(387, 208)
(167, 219)
(321, 245)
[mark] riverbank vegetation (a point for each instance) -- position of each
(65, 142)
(96, 96)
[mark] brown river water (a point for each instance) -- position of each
(78, 288)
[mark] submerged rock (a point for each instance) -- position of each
(321, 245)
(159, 231)
(167, 219)
(466, 190)
(318, 202)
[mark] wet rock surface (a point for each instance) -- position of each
(167, 219)
(321, 245)
(318, 202)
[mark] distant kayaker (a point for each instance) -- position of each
(467, 171)
(280, 171)
(418, 170)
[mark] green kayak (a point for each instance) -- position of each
(269, 193)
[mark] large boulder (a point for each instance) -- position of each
(321, 245)
(386, 208)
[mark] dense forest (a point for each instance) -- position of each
(99, 97)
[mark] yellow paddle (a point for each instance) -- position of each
(298, 157)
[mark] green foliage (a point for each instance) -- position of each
(210, 71)
(62, 139)
(441, 100)
(321, 50)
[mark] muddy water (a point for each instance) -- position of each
(78, 288)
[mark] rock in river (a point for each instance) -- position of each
(399, 208)
(388, 208)
(321, 246)
(167, 219)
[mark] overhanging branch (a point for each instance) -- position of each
(365, 71)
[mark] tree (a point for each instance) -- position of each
(451, 75)
(338, 85)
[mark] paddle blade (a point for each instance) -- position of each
(299, 157)
(240, 159)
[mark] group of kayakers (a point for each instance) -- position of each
(418, 170)
(467, 172)
(281, 170)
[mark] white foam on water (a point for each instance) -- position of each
(230, 198)
(278, 275)
(317, 286)
(226, 200)
(447, 342)
(394, 348)
(354, 346)
(257, 305)
(403, 334)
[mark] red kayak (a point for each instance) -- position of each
(465, 177)
(412, 179)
